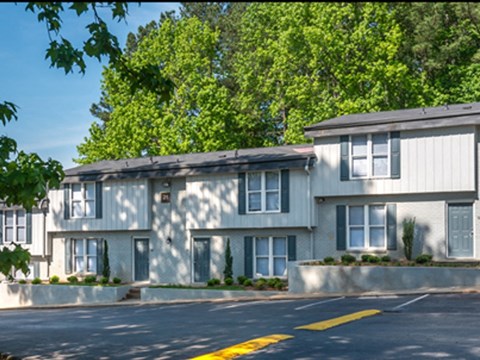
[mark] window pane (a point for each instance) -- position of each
(262, 266)
(279, 266)
(78, 247)
(380, 166)
(380, 143)
(359, 167)
(254, 181)
(76, 191)
(77, 209)
(376, 214)
(79, 264)
(9, 218)
(356, 215)
(377, 237)
(359, 145)
(92, 247)
(279, 246)
(273, 201)
(261, 246)
(9, 234)
(89, 208)
(272, 180)
(20, 234)
(21, 217)
(356, 237)
(92, 264)
(254, 202)
(90, 191)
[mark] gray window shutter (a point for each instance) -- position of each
(344, 163)
(341, 227)
(395, 154)
(66, 201)
(292, 248)
(28, 227)
(391, 227)
(242, 203)
(68, 256)
(248, 248)
(1, 226)
(36, 269)
(98, 199)
(100, 249)
(285, 183)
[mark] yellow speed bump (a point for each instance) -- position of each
(327, 324)
(244, 348)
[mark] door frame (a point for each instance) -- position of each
(134, 239)
(447, 229)
(195, 238)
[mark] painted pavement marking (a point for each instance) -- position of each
(248, 303)
(244, 348)
(327, 324)
(410, 302)
(319, 303)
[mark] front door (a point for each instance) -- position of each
(201, 259)
(460, 230)
(141, 260)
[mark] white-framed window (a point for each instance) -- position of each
(14, 226)
(82, 200)
(270, 256)
(370, 155)
(85, 255)
(367, 227)
(263, 191)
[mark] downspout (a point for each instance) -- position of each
(309, 208)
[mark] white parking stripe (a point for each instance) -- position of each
(411, 302)
(248, 303)
(318, 303)
(378, 297)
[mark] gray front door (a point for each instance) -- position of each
(201, 259)
(460, 230)
(141, 260)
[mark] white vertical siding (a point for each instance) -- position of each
(434, 160)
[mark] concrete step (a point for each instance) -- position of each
(133, 294)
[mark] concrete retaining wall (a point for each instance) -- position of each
(166, 294)
(354, 279)
(17, 295)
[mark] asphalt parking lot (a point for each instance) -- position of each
(406, 327)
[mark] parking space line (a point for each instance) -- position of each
(319, 303)
(410, 302)
(327, 324)
(244, 348)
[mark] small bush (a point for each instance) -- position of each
(90, 279)
(104, 280)
(229, 281)
(329, 260)
(72, 279)
(365, 258)
(213, 282)
(272, 281)
(117, 280)
(54, 279)
(279, 285)
(386, 258)
(22, 281)
(36, 281)
(248, 282)
(348, 259)
(423, 258)
(408, 237)
(260, 284)
(241, 279)
(373, 259)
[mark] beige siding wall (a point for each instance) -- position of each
(434, 160)
(126, 206)
(212, 203)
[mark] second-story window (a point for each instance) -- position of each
(263, 191)
(14, 226)
(83, 200)
(369, 155)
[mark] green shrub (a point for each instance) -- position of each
(228, 271)
(423, 258)
(348, 259)
(106, 262)
(373, 259)
(408, 237)
(104, 280)
(279, 285)
(213, 282)
(241, 279)
(260, 284)
(386, 258)
(36, 281)
(22, 281)
(229, 281)
(72, 279)
(90, 279)
(272, 281)
(117, 280)
(365, 258)
(54, 279)
(248, 282)
(329, 260)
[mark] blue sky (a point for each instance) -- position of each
(53, 115)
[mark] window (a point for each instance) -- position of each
(263, 191)
(369, 155)
(14, 226)
(270, 256)
(85, 255)
(367, 227)
(83, 200)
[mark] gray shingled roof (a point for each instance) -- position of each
(280, 157)
(447, 115)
